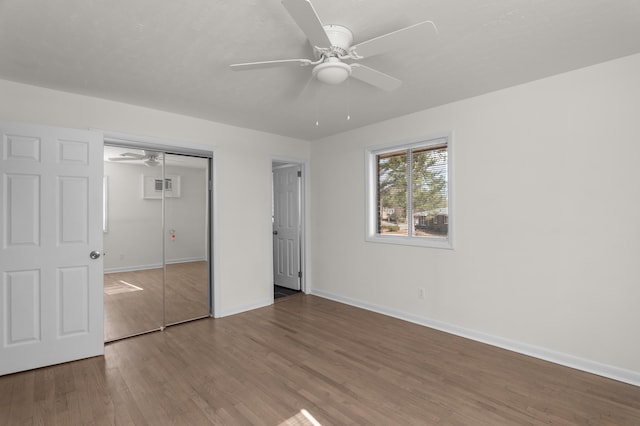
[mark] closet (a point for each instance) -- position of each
(156, 225)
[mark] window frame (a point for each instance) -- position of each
(371, 184)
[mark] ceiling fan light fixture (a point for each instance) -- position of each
(332, 71)
(334, 43)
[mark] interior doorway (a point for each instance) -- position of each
(287, 221)
(157, 245)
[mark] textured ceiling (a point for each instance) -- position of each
(174, 55)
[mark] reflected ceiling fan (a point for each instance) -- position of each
(150, 158)
(332, 46)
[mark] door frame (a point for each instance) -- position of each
(305, 220)
(184, 148)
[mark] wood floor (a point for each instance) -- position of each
(133, 300)
(340, 364)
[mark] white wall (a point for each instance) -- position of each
(134, 237)
(242, 167)
(547, 201)
(547, 229)
(186, 216)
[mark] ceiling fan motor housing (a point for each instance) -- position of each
(332, 70)
(341, 39)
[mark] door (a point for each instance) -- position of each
(133, 243)
(286, 227)
(156, 239)
(186, 234)
(50, 246)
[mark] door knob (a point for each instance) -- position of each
(275, 232)
(94, 254)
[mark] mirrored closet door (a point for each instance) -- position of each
(186, 243)
(156, 245)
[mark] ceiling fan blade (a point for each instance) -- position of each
(269, 64)
(416, 33)
(374, 78)
(133, 155)
(305, 15)
(309, 90)
(124, 159)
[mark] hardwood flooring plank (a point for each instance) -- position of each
(343, 365)
(133, 300)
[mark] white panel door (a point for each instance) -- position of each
(286, 227)
(51, 220)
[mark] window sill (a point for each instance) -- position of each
(439, 243)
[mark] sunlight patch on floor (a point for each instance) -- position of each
(120, 286)
(303, 418)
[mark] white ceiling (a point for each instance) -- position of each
(174, 55)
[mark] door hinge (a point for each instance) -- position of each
(299, 274)
(299, 173)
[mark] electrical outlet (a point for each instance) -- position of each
(420, 292)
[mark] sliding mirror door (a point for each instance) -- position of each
(133, 242)
(156, 240)
(186, 238)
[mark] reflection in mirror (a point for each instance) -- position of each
(186, 242)
(156, 227)
(133, 262)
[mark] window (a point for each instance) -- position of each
(409, 193)
(168, 185)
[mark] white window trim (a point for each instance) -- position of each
(370, 154)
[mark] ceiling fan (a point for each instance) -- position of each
(332, 45)
(151, 158)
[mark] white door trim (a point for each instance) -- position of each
(287, 229)
(180, 147)
(305, 220)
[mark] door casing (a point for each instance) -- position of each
(304, 265)
(166, 147)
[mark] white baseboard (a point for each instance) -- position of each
(589, 366)
(132, 268)
(243, 308)
(185, 260)
(152, 266)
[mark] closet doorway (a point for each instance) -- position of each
(157, 248)
(287, 221)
